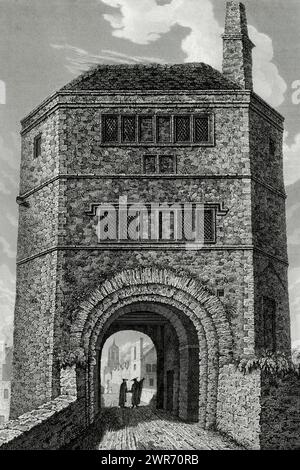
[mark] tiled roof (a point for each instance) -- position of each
(188, 76)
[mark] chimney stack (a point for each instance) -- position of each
(237, 47)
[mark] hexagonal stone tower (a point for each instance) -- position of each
(128, 146)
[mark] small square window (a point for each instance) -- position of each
(201, 129)
(182, 129)
(220, 293)
(146, 129)
(163, 129)
(128, 129)
(166, 164)
(38, 146)
(110, 129)
(150, 164)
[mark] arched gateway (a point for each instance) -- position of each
(171, 306)
(145, 167)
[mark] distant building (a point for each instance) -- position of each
(5, 381)
(142, 364)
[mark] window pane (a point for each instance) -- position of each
(146, 128)
(128, 128)
(149, 164)
(166, 164)
(163, 128)
(208, 225)
(199, 224)
(110, 128)
(182, 129)
(37, 146)
(201, 129)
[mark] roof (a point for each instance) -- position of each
(146, 77)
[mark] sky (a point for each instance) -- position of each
(45, 43)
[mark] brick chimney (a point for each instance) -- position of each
(237, 47)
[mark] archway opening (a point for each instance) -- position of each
(128, 356)
(176, 343)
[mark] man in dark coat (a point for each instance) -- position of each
(122, 394)
(136, 391)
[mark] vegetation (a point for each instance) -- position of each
(274, 364)
(71, 358)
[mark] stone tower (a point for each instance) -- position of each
(181, 134)
(113, 359)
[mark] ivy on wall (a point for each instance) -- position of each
(273, 364)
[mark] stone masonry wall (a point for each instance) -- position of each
(171, 363)
(280, 413)
(238, 413)
(271, 280)
(36, 170)
(33, 334)
(82, 151)
(265, 124)
(84, 271)
(50, 427)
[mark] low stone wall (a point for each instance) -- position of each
(238, 411)
(49, 427)
(259, 411)
(280, 413)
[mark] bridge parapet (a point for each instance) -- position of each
(49, 427)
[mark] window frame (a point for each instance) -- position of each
(37, 138)
(103, 119)
(155, 142)
(143, 163)
(139, 118)
(129, 115)
(183, 115)
(160, 157)
(171, 120)
(211, 129)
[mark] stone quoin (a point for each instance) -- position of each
(183, 133)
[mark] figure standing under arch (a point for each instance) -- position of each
(122, 394)
(136, 391)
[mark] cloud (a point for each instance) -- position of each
(10, 155)
(267, 80)
(2, 92)
(12, 219)
(6, 248)
(143, 22)
(4, 189)
(81, 60)
(291, 160)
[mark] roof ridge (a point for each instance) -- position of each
(185, 75)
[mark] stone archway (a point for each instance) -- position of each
(183, 301)
(182, 343)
